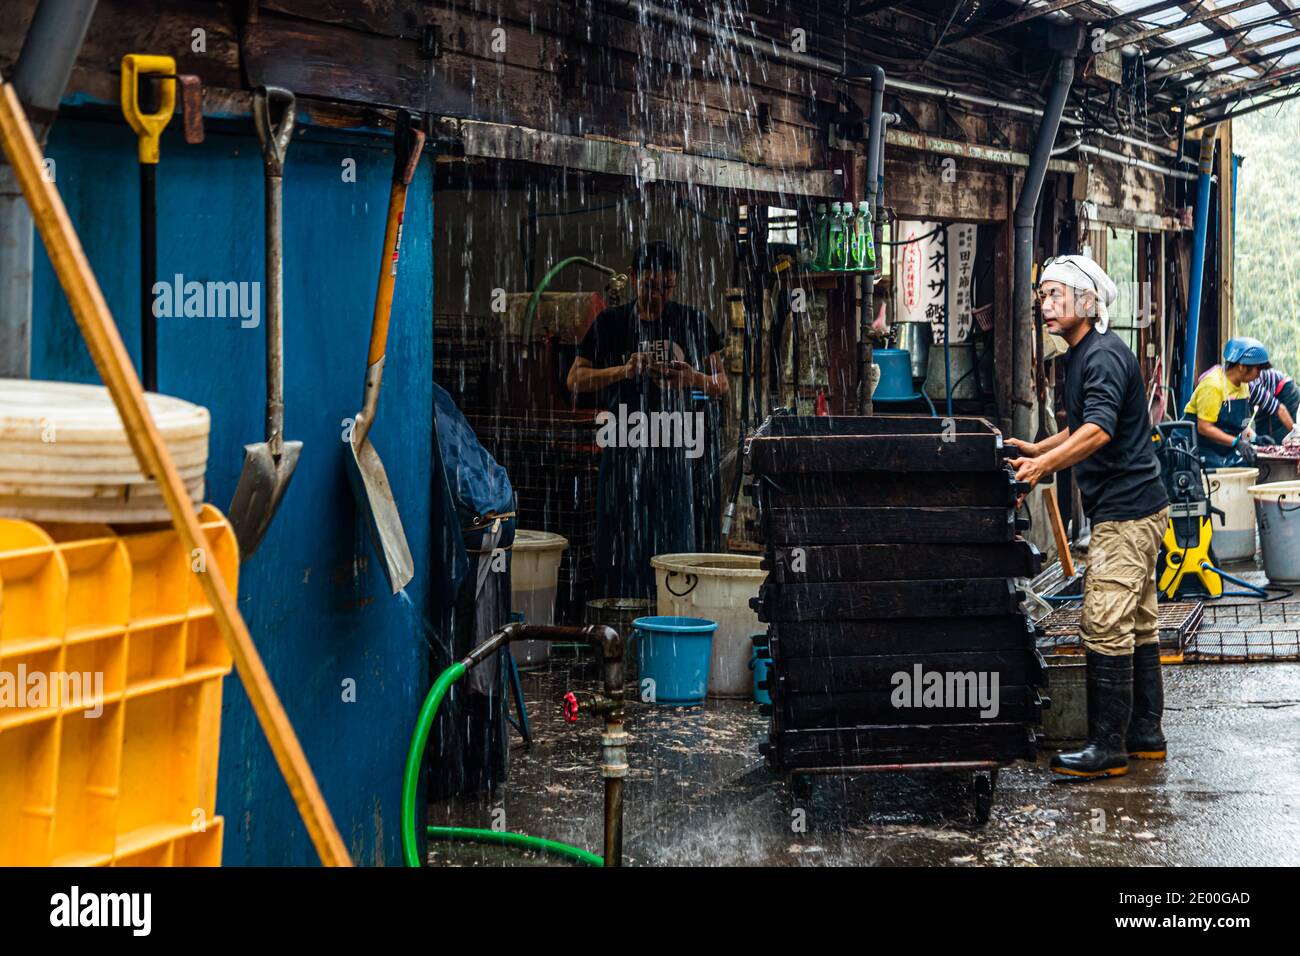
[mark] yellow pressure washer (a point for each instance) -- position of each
(1187, 563)
(1186, 566)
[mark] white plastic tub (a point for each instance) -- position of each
(1234, 540)
(717, 587)
(534, 578)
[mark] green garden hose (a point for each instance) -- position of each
(507, 838)
(411, 782)
(546, 280)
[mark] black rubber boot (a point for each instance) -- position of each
(1110, 700)
(1146, 741)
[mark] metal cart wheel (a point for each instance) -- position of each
(983, 787)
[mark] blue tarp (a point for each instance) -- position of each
(474, 485)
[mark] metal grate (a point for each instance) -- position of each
(1248, 632)
(1059, 631)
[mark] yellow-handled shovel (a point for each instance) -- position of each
(369, 480)
(149, 128)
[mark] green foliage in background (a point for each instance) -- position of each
(1267, 267)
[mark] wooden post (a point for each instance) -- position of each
(115, 368)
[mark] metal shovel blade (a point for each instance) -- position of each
(262, 484)
(375, 498)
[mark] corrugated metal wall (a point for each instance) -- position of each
(318, 605)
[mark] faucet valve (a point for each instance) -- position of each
(570, 707)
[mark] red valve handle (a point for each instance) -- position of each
(570, 708)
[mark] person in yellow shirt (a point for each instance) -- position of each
(1220, 405)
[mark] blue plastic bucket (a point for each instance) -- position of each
(759, 663)
(674, 653)
(895, 374)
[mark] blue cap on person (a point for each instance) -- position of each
(1243, 350)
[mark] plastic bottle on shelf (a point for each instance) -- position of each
(806, 235)
(838, 239)
(821, 245)
(864, 242)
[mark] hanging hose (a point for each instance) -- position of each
(541, 287)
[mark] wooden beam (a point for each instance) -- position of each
(1028, 13)
(621, 158)
(924, 142)
(1189, 21)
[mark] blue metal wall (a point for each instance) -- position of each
(317, 603)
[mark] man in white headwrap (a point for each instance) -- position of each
(1094, 291)
(1108, 445)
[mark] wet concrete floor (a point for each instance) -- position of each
(699, 794)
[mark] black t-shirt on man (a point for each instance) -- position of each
(681, 334)
(1103, 385)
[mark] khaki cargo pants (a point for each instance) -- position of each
(1119, 588)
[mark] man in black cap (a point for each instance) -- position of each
(651, 358)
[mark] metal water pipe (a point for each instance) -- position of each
(40, 76)
(1066, 41)
(1200, 227)
(609, 647)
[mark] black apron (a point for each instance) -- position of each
(1233, 414)
(645, 506)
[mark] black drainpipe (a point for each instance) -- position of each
(875, 149)
(1065, 40)
(40, 76)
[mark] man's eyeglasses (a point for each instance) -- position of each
(1065, 261)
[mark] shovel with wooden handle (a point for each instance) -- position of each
(269, 465)
(369, 480)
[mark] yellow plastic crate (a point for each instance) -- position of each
(135, 785)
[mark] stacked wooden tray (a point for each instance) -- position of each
(66, 456)
(892, 545)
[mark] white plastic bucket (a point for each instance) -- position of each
(1277, 507)
(534, 578)
(1234, 540)
(717, 587)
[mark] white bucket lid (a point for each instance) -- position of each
(1275, 491)
(712, 565)
(1248, 473)
(539, 541)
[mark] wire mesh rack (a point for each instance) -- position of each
(1176, 621)
(1248, 632)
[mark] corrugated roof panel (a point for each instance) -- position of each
(1164, 18)
(1188, 33)
(1124, 6)
(1269, 30)
(1258, 12)
(1213, 47)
